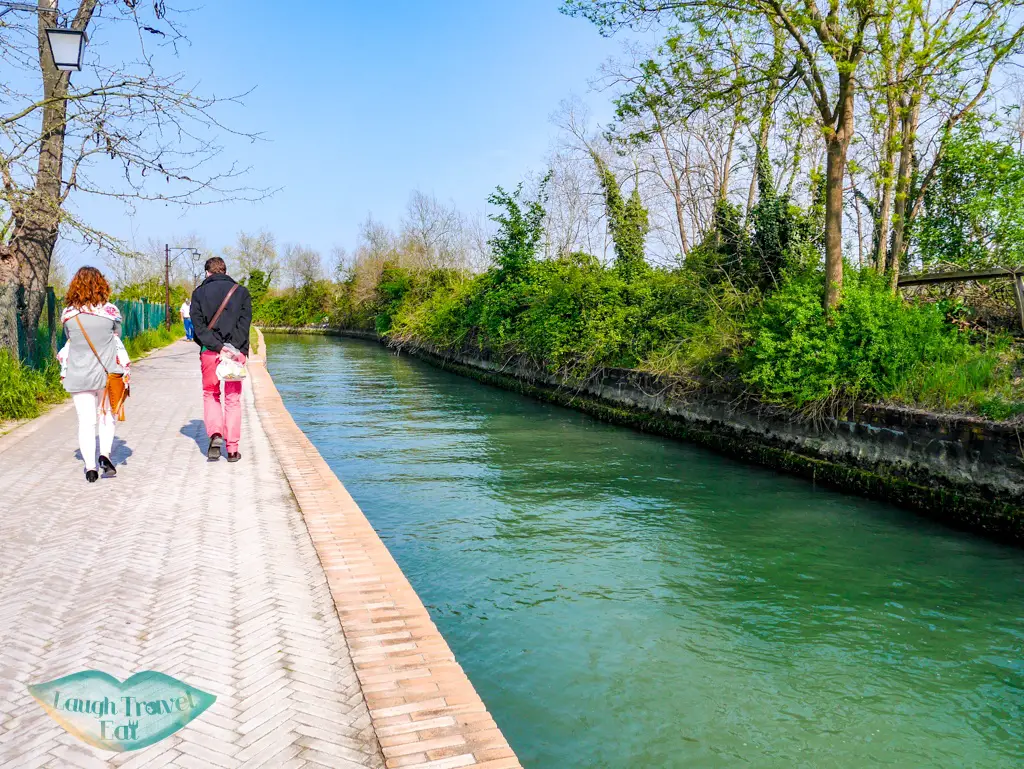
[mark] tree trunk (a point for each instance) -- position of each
(908, 134)
(677, 186)
(35, 232)
(837, 143)
(835, 173)
(886, 175)
(34, 247)
(723, 190)
(8, 302)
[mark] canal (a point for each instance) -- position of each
(624, 601)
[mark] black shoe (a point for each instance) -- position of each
(216, 443)
(234, 456)
(92, 476)
(109, 471)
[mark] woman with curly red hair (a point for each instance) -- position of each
(93, 350)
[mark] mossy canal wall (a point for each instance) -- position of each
(963, 471)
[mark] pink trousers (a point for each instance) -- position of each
(224, 418)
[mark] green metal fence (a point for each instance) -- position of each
(136, 317)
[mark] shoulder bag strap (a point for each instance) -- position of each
(223, 304)
(78, 319)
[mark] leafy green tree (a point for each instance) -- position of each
(520, 228)
(942, 57)
(974, 209)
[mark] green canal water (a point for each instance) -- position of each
(624, 601)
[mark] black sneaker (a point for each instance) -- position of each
(216, 444)
(92, 476)
(109, 471)
(234, 456)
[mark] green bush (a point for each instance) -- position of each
(745, 309)
(577, 318)
(310, 305)
(875, 347)
(394, 284)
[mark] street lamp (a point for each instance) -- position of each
(67, 46)
(195, 253)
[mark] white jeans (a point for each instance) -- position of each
(87, 404)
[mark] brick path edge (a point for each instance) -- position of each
(424, 710)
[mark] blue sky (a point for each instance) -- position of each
(361, 102)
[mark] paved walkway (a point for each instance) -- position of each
(205, 572)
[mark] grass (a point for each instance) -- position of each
(984, 384)
(25, 391)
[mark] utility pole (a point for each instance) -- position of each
(167, 273)
(167, 283)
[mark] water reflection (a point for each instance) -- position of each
(621, 600)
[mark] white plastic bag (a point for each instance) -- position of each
(229, 369)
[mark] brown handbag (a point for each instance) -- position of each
(116, 392)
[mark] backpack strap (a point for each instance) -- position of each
(223, 304)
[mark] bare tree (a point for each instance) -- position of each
(125, 268)
(304, 265)
(575, 208)
(253, 252)
(154, 128)
(433, 232)
(341, 263)
(478, 234)
(146, 264)
(377, 244)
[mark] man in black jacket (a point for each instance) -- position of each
(221, 315)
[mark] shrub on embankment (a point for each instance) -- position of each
(572, 316)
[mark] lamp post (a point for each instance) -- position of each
(167, 273)
(67, 46)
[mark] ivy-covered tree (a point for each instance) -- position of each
(258, 284)
(628, 222)
(724, 253)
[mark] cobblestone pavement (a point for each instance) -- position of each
(203, 571)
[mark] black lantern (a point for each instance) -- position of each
(68, 48)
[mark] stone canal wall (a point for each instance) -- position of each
(423, 708)
(963, 471)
